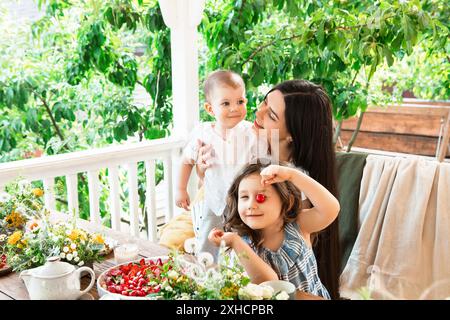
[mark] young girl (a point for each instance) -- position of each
(268, 229)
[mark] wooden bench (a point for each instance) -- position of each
(415, 127)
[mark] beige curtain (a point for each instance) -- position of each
(402, 250)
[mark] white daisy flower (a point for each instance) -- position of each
(282, 296)
(190, 245)
(62, 255)
(76, 259)
(80, 263)
(267, 292)
(23, 184)
(69, 257)
(172, 274)
(251, 292)
(206, 259)
(184, 296)
(73, 246)
(75, 253)
(4, 197)
(168, 288)
(66, 249)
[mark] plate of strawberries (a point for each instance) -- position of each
(141, 279)
(4, 267)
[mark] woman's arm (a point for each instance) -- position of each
(257, 269)
(325, 206)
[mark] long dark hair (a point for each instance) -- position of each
(308, 117)
(290, 196)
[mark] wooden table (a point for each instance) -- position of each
(13, 288)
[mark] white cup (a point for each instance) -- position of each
(281, 285)
(126, 252)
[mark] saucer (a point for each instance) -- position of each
(86, 296)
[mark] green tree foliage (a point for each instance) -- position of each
(67, 80)
(79, 60)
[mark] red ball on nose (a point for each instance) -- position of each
(260, 198)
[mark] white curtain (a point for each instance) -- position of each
(402, 250)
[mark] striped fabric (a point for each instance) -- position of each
(294, 261)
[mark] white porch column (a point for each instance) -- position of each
(183, 17)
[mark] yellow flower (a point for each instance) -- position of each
(74, 234)
(38, 192)
(15, 237)
(97, 238)
(22, 244)
(14, 220)
(229, 291)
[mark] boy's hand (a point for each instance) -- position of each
(274, 174)
(216, 236)
(182, 199)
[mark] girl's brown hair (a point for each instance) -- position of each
(291, 202)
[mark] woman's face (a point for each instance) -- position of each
(270, 116)
(258, 215)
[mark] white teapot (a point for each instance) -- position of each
(55, 280)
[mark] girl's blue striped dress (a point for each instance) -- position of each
(294, 261)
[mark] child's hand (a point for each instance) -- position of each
(182, 199)
(216, 236)
(274, 174)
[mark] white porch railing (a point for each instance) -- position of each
(91, 162)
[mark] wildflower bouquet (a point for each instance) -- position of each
(41, 239)
(19, 204)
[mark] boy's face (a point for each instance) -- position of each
(228, 105)
(256, 215)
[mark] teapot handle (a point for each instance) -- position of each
(89, 287)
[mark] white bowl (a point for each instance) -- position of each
(115, 296)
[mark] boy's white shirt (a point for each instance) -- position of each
(240, 148)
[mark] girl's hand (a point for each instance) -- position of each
(216, 236)
(182, 199)
(274, 174)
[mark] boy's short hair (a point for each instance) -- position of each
(224, 78)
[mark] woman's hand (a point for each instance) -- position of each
(182, 199)
(216, 236)
(205, 157)
(275, 173)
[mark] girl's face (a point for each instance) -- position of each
(258, 216)
(270, 116)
